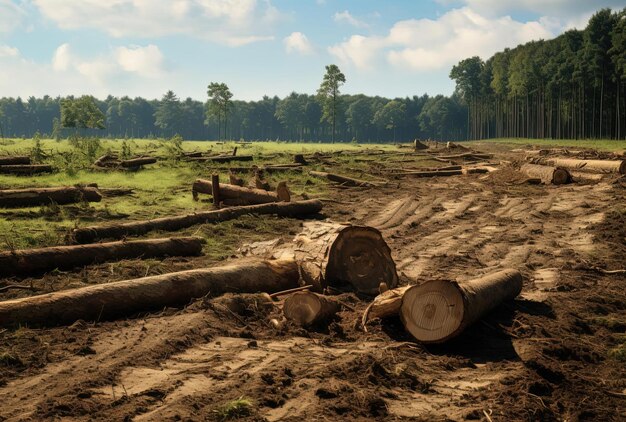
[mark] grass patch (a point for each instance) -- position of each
(234, 409)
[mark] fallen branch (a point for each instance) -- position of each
(135, 228)
(123, 298)
(290, 291)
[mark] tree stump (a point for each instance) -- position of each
(310, 309)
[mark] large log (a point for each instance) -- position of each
(26, 169)
(437, 311)
(310, 309)
(606, 166)
(548, 175)
(14, 159)
(344, 257)
(124, 298)
(136, 162)
(245, 196)
(135, 228)
(37, 261)
(43, 196)
(344, 180)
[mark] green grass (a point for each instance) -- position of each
(234, 409)
(600, 144)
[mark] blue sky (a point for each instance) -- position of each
(258, 47)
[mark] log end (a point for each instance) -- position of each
(308, 309)
(283, 192)
(432, 312)
(561, 176)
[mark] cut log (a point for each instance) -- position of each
(107, 160)
(282, 191)
(310, 309)
(26, 169)
(437, 311)
(112, 192)
(125, 298)
(344, 257)
(234, 180)
(244, 196)
(135, 228)
(385, 305)
(216, 190)
(548, 175)
(590, 177)
(345, 181)
(44, 196)
(294, 165)
(37, 261)
(14, 159)
(601, 166)
(281, 169)
(137, 162)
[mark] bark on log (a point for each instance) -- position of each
(345, 181)
(136, 162)
(135, 228)
(107, 160)
(347, 258)
(216, 190)
(123, 298)
(40, 260)
(26, 169)
(608, 166)
(43, 196)
(310, 309)
(437, 311)
(14, 159)
(243, 195)
(548, 175)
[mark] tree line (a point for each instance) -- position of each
(572, 86)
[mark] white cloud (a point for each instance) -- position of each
(8, 51)
(427, 44)
(11, 15)
(62, 58)
(562, 8)
(146, 61)
(231, 22)
(346, 17)
(297, 42)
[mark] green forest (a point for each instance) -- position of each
(569, 87)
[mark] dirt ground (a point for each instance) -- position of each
(555, 353)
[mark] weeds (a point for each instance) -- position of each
(234, 409)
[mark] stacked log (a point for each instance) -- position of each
(44, 196)
(135, 228)
(123, 298)
(40, 260)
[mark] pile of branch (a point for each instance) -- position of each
(136, 228)
(21, 165)
(112, 161)
(11, 198)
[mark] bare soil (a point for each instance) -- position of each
(546, 356)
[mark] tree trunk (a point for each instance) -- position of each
(609, 166)
(44, 196)
(244, 196)
(344, 180)
(135, 228)
(14, 159)
(26, 169)
(548, 175)
(37, 261)
(124, 298)
(437, 311)
(346, 258)
(310, 309)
